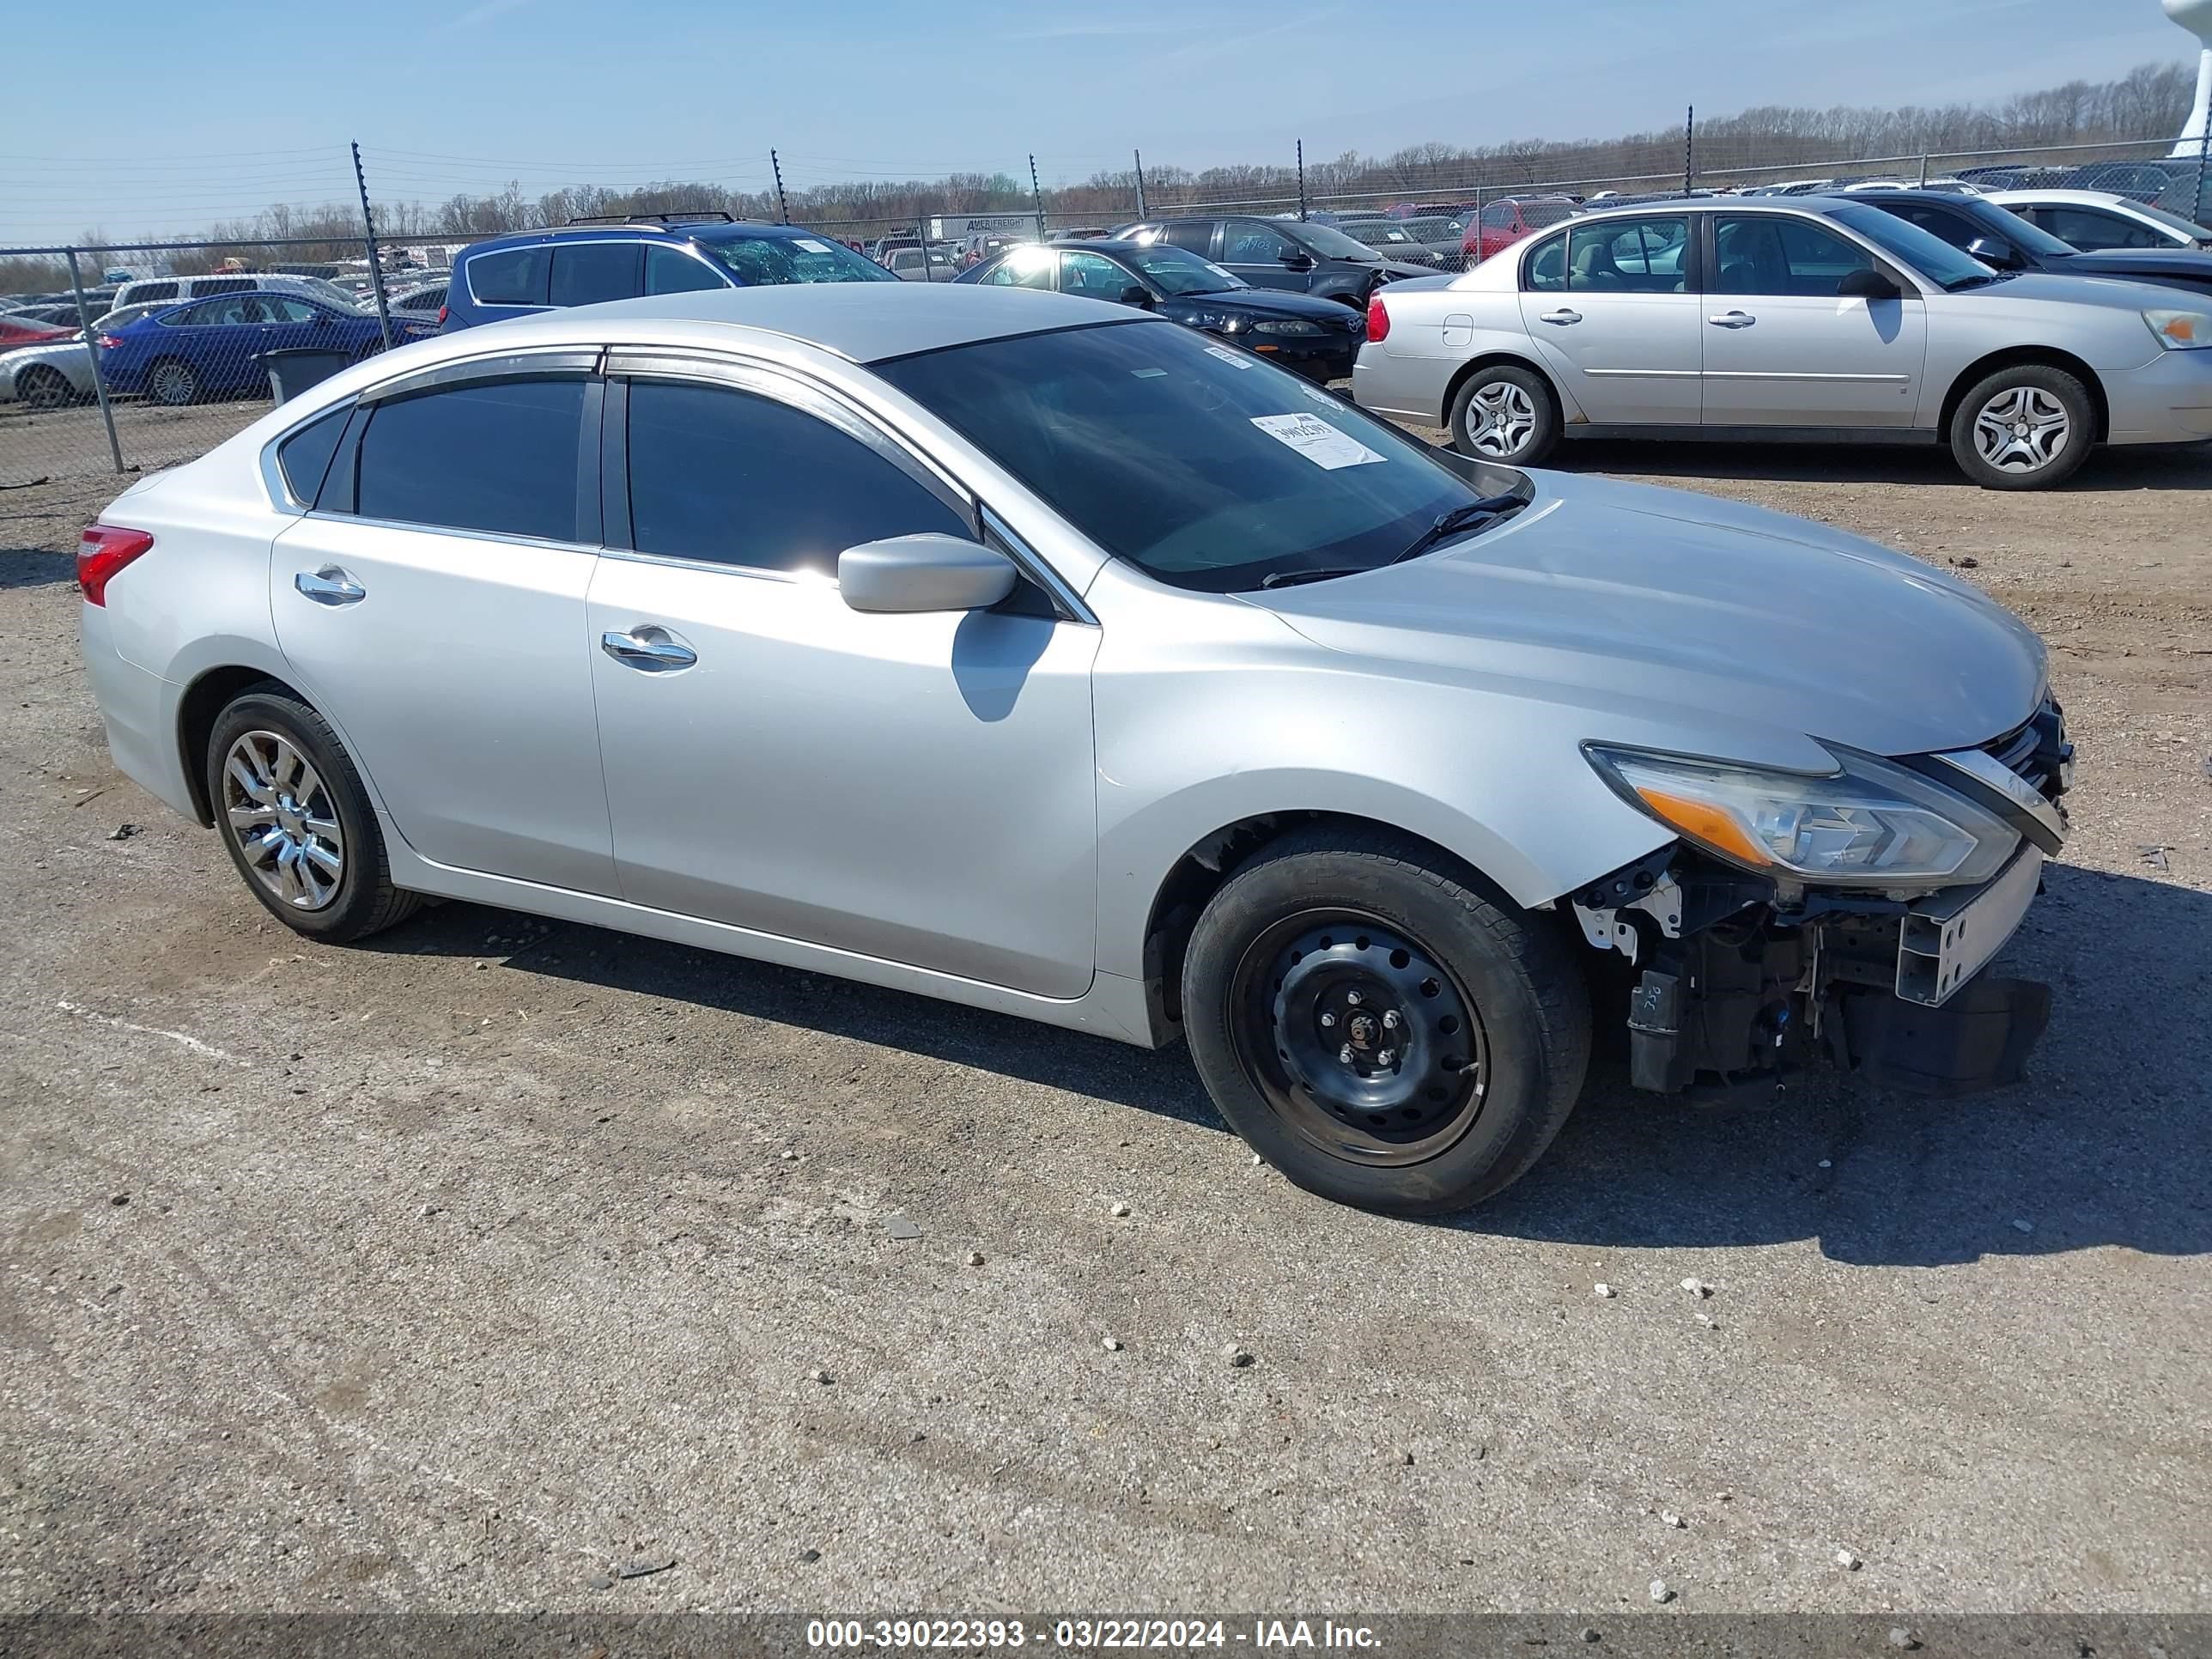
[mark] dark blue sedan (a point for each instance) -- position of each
(215, 348)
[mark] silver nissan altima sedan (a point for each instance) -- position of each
(1033, 653)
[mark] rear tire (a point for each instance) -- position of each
(291, 810)
(1506, 414)
(43, 388)
(1467, 1025)
(172, 383)
(2027, 427)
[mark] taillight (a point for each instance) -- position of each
(442, 316)
(103, 550)
(109, 341)
(1378, 318)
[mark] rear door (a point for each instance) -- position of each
(1783, 348)
(592, 273)
(1613, 307)
(432, 605)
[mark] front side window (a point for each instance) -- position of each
(757, 260)
(1247, 244)
(1094, 276)
(1780, 255)
(1498, 216)
(512, 276)
(1210, 473)
(671, 271)
(591, 273)
(1023, 267)
(1330, 243)
(283, 310)
(732, 477)
(495, 455)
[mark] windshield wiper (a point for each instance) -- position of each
(1292, 578)
(1466, 516)
(1976, 281)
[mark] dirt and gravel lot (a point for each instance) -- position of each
(450, 1272)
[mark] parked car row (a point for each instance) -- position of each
(1845, 317)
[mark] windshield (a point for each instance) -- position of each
(1923, 251)
(1332, 243)
(2173, 222)
(1178, 270)
(2025, 232)
(768, 259)
(1376, 232)
(1203, 467)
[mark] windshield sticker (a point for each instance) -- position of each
(1234, 359)
(810, 244)
(1148, 374)
(1317, 439)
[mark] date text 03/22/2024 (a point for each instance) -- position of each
(1081, 1633)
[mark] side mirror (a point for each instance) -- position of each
(1866, 285)
(923, 573)
(1998, 256)
(1295, 260)
(1134, 295)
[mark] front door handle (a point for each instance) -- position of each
(1733, 319)
(1562, 317)
(329, 585)
(651, 649)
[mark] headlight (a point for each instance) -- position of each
(1868, 823)
(2180, 330)
(1227, 321)
(1286, 327)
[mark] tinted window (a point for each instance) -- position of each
(2091, 230)
(1955, 228)
(739, 479)
(512, 276)
(1244, 244)
(305, 456)
(587, 273)
(1195, 234)
(152, 291)
(497, 455)
(671, 271)
(1779, 255)
(1208, 472)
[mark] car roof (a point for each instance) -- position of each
(2067, 197)
(864, 322)
(684, 230)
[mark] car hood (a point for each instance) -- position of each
(2109, 292)
(1685, 610)
(1405, 270)
(1266, 302)
(2150, 263)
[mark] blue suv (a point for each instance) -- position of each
(589, 261)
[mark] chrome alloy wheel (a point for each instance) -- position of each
(1360, 1039)
(1502, 419)
(2022, 429)
(283, 820)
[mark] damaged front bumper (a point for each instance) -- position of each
(1739, 981)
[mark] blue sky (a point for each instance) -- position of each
(249, 105)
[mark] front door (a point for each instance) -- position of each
(1783, 348)
(916, 788)
(433, 607)
(1613, 309)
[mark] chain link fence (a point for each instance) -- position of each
(124, 358)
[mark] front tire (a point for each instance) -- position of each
(2024, 427)
(290, 808)
(172, 383)
(1505, 414)
(43, 388)
(1381, 1026)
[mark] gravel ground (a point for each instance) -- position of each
(450, 1272)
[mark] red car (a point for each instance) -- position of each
(14, 333)
(1502, 223)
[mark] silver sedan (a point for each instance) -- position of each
(1038, 654)
(1809, 318)
(55, 376)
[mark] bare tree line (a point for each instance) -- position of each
(2149, 100)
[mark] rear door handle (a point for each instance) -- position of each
(1733, 319)
(1563, 316)
(329, 585)
(651, 649)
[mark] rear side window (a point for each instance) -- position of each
(739, 479)
(671, 271)
(512, 276)
(587, 273)
(305, 456)
(143, 291)
(497, 455)
(1198, 238)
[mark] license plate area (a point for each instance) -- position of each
(1945, 941)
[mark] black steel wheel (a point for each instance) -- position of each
(1380, 1024)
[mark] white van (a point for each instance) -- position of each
(232, 282)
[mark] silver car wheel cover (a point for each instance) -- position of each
(2023, 428)
(1502, 418)
(283, 821)
(174, 383)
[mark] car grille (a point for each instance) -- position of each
(2037, 751)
